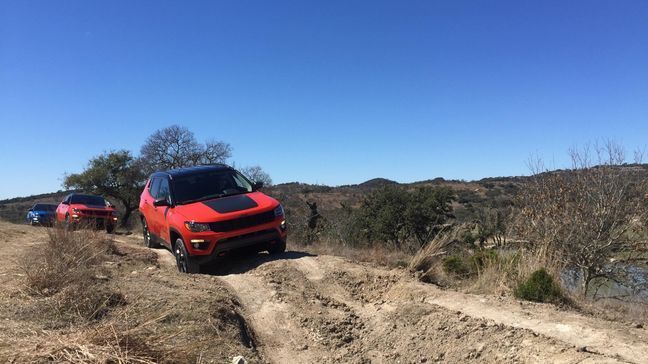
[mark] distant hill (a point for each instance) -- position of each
(378, 182)
(471, 195)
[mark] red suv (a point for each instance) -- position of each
(204, 212)
(77, 209)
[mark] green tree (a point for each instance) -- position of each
(381, 215)
(427, 210)
(115, 174)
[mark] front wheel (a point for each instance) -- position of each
(67, 223)
(110, 229)
(278, 247)
(185, 263)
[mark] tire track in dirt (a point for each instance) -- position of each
(325, 309)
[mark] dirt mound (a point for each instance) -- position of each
(327, 310)
(149, 312)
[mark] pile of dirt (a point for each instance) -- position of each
(327, 310)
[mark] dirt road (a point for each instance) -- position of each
(324, 309)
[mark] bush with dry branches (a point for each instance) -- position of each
(580, 218)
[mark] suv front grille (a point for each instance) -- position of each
(243, 222)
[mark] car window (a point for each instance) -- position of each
(44, 207)
(163, 191)
(155, 187)
(208, 185)
(240, 181)
(88, 200)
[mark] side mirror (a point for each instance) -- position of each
(160, 202)
(257, 186)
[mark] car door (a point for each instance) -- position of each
(152, 214)
(62, 208)
(164, 192)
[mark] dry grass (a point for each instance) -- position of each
(67, 259)
(78, 297)
(68, 276)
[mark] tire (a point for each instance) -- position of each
(110, 229)
(148, 239)
(185, 263)
(66, 224)
(278, 247)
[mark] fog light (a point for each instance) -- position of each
(283, 225)
(114, 219)
(75, 216)
(198, 243)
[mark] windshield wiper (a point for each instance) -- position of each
(234, 193)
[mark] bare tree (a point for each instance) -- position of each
(257, 174)
(177, 147)
(580, 218)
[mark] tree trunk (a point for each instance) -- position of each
(126, 217)
(587, 277)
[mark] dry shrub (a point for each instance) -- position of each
(116, 341)
(66, 277)
(429, 258)
(66, 259)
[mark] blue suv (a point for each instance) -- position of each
(41, 214)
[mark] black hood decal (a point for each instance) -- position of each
(230, 204)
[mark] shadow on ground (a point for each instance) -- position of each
(242, 262)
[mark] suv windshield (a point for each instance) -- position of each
(88, 200)
(44, 207)
(204, 186)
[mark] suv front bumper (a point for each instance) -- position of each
(258, 240)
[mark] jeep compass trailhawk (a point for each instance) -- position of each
(86, 210)
(204, 212)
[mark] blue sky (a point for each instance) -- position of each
(330, 92)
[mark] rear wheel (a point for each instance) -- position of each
(148, 239)
(185, 263)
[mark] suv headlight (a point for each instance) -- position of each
(196, 227)
(279, 211)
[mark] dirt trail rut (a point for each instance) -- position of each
(325, 309)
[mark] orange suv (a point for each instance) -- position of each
(86, 210)
(205, 212)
